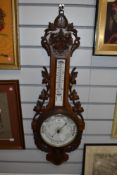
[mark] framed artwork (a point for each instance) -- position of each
(9, 47)
(106, 28)
(100, 159)
(11, 128)
(114, 127)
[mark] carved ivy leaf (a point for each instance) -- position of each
(38, 106)
(77, 107)
(51, 27)
(44, 72)
(45, 76)
(44, 95)
(75, 45)
(73, 95)
(45, 45)
(73, 76)
(70, 27)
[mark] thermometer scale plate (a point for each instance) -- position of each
(60, 77)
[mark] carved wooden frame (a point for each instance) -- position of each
(60, 41)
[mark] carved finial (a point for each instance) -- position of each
(61, 8)
(61, 35)
(61, 20)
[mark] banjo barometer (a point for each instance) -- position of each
(58, 123)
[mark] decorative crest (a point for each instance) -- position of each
(60, 33)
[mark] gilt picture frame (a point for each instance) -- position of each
(106, 28)
(11, 127)
(9, 35)
(100, 159)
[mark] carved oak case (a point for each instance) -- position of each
(58, 123)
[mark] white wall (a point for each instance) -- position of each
(96, 83)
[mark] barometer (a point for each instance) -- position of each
(58, 123)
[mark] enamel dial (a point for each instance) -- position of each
(58, 130)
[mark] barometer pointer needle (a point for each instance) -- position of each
(58, 130)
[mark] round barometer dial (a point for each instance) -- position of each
(58, 130)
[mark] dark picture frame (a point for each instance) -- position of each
(11, 127)
(99, 159)
(9, 35)
(106, 28)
